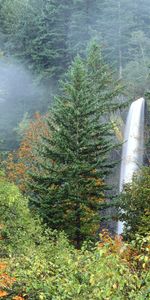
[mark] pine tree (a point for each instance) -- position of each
(75, 157)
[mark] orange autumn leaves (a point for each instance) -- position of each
(6, 282)
(5, 294)
(2, 279)
(137, 255)
(24, 159)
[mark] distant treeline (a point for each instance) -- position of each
(45, 36)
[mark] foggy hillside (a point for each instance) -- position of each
(42, 38)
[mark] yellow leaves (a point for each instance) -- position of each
(41, 297)
(92, 280)
(144, 266)
(99, 182)
(142, 255)
(115, 286)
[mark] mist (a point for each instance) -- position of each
(19, 95)
(40, 39)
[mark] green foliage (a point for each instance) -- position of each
(18, 229)
(142, 247)
(64, 273)
(46, 266)
(135, 205)
(75, 157)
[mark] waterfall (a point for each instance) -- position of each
(133, 146)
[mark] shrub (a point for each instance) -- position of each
(135, 205)
(41, 264)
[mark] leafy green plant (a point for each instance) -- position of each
(135, 205)
(44, 266)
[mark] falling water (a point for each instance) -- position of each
(133, 146)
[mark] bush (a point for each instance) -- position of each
(18, 230)
(57, 271)
(135, 205)
(43, 265)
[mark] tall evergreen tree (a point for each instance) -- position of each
(75, 157)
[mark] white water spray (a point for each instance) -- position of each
(133, 146)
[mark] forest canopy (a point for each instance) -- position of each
(41, 38)
(68, 72)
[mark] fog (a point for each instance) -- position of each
(39, 39)
(19, 95)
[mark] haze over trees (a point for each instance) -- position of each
(44, 36)
(67, 72)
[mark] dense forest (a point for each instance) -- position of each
(39, 39)
(68, 72)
